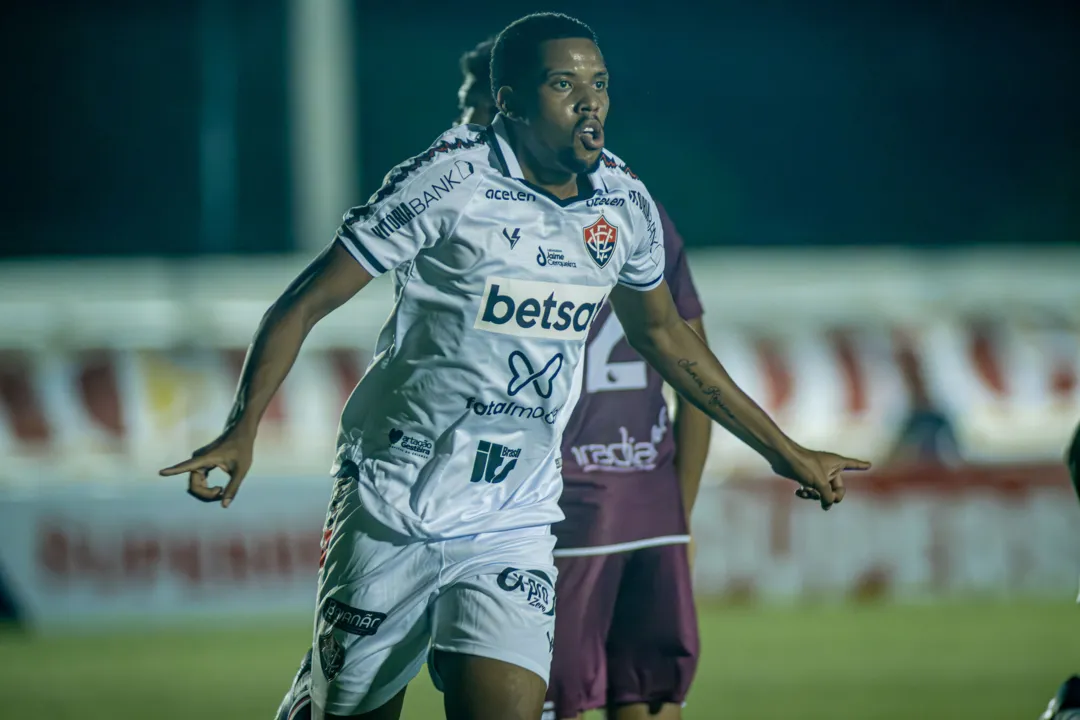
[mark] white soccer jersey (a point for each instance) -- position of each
(456, 426)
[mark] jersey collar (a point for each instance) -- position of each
(509, 162)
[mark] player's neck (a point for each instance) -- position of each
(558, 182)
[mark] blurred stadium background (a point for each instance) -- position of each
(882, 205)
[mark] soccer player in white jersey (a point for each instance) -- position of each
(626, 636)
(438, 542)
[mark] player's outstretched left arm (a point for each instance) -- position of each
(693, 431)
(326, 284)
(653, 327)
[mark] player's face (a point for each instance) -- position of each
(571, 106)
(475, 102)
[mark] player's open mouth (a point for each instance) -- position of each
(591, 133)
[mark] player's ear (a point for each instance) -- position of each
(507, 103)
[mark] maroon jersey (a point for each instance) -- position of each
(620, 484)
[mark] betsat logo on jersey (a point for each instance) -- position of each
(527, 308)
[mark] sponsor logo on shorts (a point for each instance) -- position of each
(553, 258)
(350, 619)
(534, 585)
(419, 447)
(331, 654)
(493, 462)
(527, 308)
(336, 617)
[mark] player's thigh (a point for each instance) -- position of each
(482, 688)
(372, 625)
(653, 643)
(586, 589)
(391, 710)
(492, 638)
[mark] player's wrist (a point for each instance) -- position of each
(241, 430)
(785, 455)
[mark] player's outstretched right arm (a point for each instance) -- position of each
(324, 285)
(418, 204)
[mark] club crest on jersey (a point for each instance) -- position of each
(600, 240)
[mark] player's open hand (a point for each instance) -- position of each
(820, 474)
(230, 453)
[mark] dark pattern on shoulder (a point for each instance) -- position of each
(610, 162)
(398, 175)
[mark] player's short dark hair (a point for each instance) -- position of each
(477, 62)
(517, 47)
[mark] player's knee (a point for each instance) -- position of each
(646, 711)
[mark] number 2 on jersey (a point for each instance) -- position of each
(602, 375)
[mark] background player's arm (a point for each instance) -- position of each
(653, 327)
(1072, 460)
(327, 283)
(693, 430)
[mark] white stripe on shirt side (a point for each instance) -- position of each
(623, 547)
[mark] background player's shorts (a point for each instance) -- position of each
(626, 631)
(385, 600)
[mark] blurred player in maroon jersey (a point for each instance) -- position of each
(626, 634)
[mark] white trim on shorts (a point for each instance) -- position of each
(623, 547)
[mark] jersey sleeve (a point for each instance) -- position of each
(413, 210)
(644, 269)
(677, 270)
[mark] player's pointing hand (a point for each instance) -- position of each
(819, 474)
(230, 454)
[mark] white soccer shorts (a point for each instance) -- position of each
(386, 601)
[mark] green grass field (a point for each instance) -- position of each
(829, 662)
